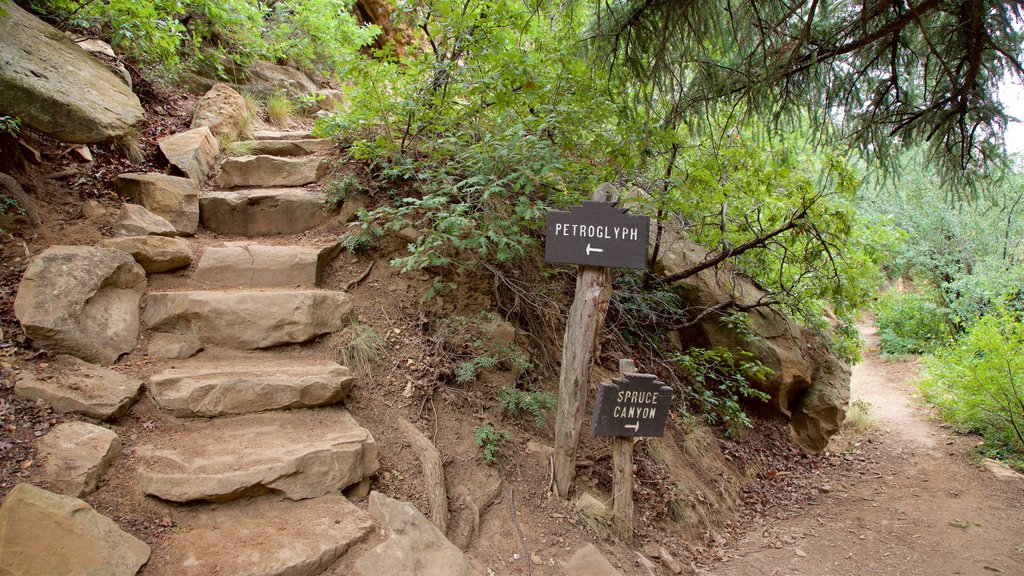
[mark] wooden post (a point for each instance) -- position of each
(622, 474)
(582, 336)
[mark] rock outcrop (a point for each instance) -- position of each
(810, 386)
(82, 301)
(58, 88)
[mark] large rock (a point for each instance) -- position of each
(135, 220)
(262, 212)
(223, 111)
(588, 561)
(75, 455)
(415, 546)
(258, 266)
(265, 78)
(173, 198)
(154, 253)
(82, 388)
(215, 390)
(57, 88)
(42, 533)
(82, 301)
(193, 152)
(809, 386)
(287, 147)
(270, 171)
(299, 454)
(266, 537)
(249, 320)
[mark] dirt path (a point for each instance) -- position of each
(913, 504)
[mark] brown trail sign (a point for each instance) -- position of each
(635, 405)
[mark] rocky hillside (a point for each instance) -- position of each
(202, 374)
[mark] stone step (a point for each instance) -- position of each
(210, 390)
(270, 171)
(286, 147)
(262, 212)
(249, 320)
(241, 265)
(282, 135)
(263, 536)
(299, 454)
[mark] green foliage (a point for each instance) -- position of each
(11, 125)
(722, 379)
(477, 343)
(536, 404)
(977, 383)
(339, 189)
(910, 323)
(490, 441)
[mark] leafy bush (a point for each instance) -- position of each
(978, 383)
(536, 404)
(473, 344)
(339, 189)
(721, 381)
(490, 440)
(910, 323)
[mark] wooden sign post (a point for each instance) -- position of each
(597, 236)
(633, 405)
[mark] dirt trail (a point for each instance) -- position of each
(916, 504)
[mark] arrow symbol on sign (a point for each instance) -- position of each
(589, 249)
(635, 427)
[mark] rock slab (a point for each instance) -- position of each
(82, 301)
(58, 88)
(223, 111)
(173, 198)
(257, 266)
(82, 388)
(154, 253)
(588, 561)
(210, 391)
(193, 152)
(136, 220)
(415, 546)
(249, 320)
(273, 538)
(303, 147)
(42, 533)
(162, 345)
(75, 455)
(299, 454)
(270, 171)
(263, 212)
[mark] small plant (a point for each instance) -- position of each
(235, 148)
(858, 416)
(721, 380)
(339, 189)
(353, 242)
(279, 110)
(536, 404)
(129, 145)
(252, 104)
(490, 441)
(479, 343)
(10, 125)
(364, 348)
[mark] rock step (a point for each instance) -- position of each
(265, 537)
(262, 212)
(286, 147)
(282, 135)
(242, 265)
(249, 320)
(220, 390)
(299, 454)
(264, 170)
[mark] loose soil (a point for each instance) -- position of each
(912, 501)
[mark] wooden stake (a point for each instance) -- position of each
(622, 474)
(582, 337)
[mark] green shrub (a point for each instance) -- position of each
(721, 380)
(536, 404)
(910, 323)
(490, 441)
(339, 189)
(977, 383)
(473, 344)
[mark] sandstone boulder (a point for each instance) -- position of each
(222, 110)
(82, 388)
(258, 266)
(75, 455)
(134, 220)
(262, 212)
(249, 320)
(173, 198)
(273, 538)
(588, 561)
(57, 88)
(265, 78)
(270, 171)
(154, 253)
(287, 147)
(214, 390)
(82, 301)
(162, 345)
(45, 533)
(105, 53)
(299, 454)
(415, 547)
(193, 152)
(810, 386)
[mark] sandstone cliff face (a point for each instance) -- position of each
(810, 386)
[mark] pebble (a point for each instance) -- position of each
(799, 553)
